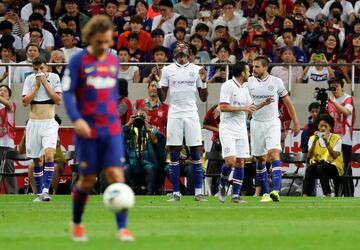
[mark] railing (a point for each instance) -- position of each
(290, 77)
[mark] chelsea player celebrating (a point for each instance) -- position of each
(90, 95)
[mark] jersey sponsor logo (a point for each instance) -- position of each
(101, 82)
(189, 83)
(89, 69)
(262, 96)
(102, 69)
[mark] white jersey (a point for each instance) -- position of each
(30, 81)
(233, 124)
(259, 90)
(183, 82)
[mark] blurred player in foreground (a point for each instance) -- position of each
(91, 97)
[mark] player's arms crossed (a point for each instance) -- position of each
(292, 112)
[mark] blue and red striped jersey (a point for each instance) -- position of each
(90, 90)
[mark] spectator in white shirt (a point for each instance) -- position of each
(6, 28)
(313, 9)
(130, 73)
(348, 14)
(36, 37)
(68, 41)
(6, 52)
(27, 10)
(20, 73)
(235, 23)
(36, 21)
(166, 20)
(180, 22)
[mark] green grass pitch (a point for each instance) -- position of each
(294, 223)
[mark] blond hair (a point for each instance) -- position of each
(97, 24)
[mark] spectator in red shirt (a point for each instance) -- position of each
(273, 22)
(157, 111)
(154, 9)
(211, 122)
(251, 8)
(284, 6)
(145, 40)
(125, 106)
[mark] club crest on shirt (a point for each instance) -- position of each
(192, 74)
(271, 88)
(227, 150)
(83, 165)
(112, 69)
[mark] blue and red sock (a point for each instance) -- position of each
(225, 172)
(237, 181)
(48, 175)
(38, 176)
(263, 178)
(175, 172)
(276, 175)
(79, 200)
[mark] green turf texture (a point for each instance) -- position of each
(294, 223)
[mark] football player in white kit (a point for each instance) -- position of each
(235, 103)
(265, 125)
(42, 90)
(182, 80)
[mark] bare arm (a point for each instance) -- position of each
(290, 107)
(162, 93)
(203, 94)
(211, 128)
(136, 76)
(27, 99)
(225, 107)
(339, 107)
(312, 149)
(56, 97)
(8, 104)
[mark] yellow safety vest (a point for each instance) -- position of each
(322, 153)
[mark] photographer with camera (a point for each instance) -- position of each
(142, 141)
(326, 160)
(341, 107)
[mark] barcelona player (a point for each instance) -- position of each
(90, 95)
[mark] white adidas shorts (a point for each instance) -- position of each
(180, 128)
(234, 147)
(40, 134)
(265, 136)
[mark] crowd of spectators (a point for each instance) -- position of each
(218, 31)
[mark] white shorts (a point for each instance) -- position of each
(40, 134)
(265, 136)
(188, 127)
(234, 147)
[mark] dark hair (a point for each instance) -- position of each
(66, 19)
(136, 19)
(228, 2)
(123, 87)
(143, 3)
(292, 31)
(195, 36)
(341, 56)
(38, 61)
(114, 2)
(124, 49)
(337, 48)
(7, 87)
(7, 38)
(67, 31)
(264, 60)
(36, 17)
(313, 105)
(272, 2)
(179, 18)
(4, 25)
(36, 30)
(287, 48)
(7, 46)
(159, 49)
(201, 26)
(32, 45)
(220, 39)
(134, 36)
(192, 49)
(223, 46)
(238, 68)
(176, 30)
(336, 80)
(336, 5)
(97, 24)
(40, 6)
(157, 32)
(326, 118)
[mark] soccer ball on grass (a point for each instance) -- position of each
(118, 197)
